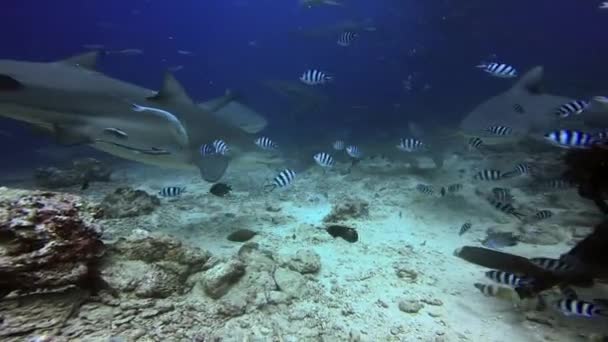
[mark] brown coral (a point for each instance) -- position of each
(45, 242)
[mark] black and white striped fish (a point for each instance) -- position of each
(207, 150)
(519, 170)
(454, 188)
(556, 184)
(575, 307)
(171, 191)
(502, 195)
(315, 77)
(475, 143)
(551, 264)
(346, 38)
(266, 143)
(572, 108)
(543, 214)
(283, 179)
(324, 159)
(493, 290)
(506, 208)
(338, 145)
(506, 278)
(221, 147)
(499, 130)
(518, 108)
(410, 145)
(488, 175)
(354, 152)
(425, 189)
(464, 228)
(499, 70)
(566, 138)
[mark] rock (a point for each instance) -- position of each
(158, 283)
(290, 282)
(218, 280)
(127, 202)
(82, 171)
(159, 247)
(305, 261)
(410, 306)
(241, 235)
(349, 208)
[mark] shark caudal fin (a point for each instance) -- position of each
(212, 167)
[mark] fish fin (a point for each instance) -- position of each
(531, 82)
(70, 136)
(212, 167)
(171, 92)
(86, 60)
(7, 83)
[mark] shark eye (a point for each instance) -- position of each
(8, 83)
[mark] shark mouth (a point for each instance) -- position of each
(154, 151)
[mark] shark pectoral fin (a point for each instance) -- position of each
(212, 167)
(67, 135)
(171, 92)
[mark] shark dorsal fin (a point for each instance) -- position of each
(532, 81)
(171, 92)
(86, 60)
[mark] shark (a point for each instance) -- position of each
(76, 104)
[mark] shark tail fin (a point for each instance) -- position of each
(212, 167)
(531, 82)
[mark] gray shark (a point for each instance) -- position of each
(525, 108)
(78, 105)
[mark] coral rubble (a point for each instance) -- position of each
(128, 202)
(82, 171)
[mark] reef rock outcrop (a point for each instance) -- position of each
(349, 208)
(128, 202)
(81, 171)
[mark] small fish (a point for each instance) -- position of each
(338, 145)
(347, 233)
(499, 70)
(265, 143)
(221, 147)
(556, 184)
(315, 77)
(465, 227)
(551, 264)
(171, 191)
(454, 188)
(166, 115)
(603, 5)
(543, 214)
(410, 145)
(425, 189)
(488, 175)
(518, 108)
(506, 208)
(496, 291)
(207, 150)
(575, 307)
(241, 235)
(283, 179)
(499, 130)
(502, 195)
(499, 240)
(346, 38)
(220, 189)
(354, 152)
(575, 107)
(519, 170)
(475, 143)
(324, 159)
(566, 138)
(568, 292)
(506, 278)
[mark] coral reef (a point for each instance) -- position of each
(128, 202)
(45, 241)
(349, 208)
(82, 171)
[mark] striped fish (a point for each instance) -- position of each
(506, 278)
(502, 195)
(410, 145)
(171, 191)
(207, 150)
(518, 108)
(499, 130)
(499, 70)
(551, 264)
(506, 208)
(221, 147)
(475, 143)
(543, 214)
(572, 108)
(315, 77)
(556, 184)
(519, 170)
(464, 228)
(346, 38)
(425, 189)
(354, 152)
(566, 138)
(338, 145)
(488, 175)
(266, 143)
(494, 290)
(283, 179)
(324, 159)
(575, 307)
(454, 188)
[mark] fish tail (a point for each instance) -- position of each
(270, 187)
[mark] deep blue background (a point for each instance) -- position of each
(567, 36)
